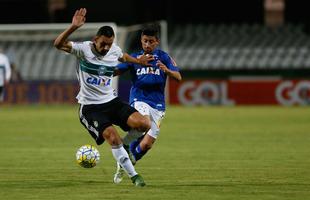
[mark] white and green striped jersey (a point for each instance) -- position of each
(5, 69)
(95, 72)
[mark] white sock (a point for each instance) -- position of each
(121, 156)
(132, 135)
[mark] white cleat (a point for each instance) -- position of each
(118, 176)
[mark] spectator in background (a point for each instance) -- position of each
(15, 74)
(274, 13)
(5, 74)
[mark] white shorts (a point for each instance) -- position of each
(156, 116)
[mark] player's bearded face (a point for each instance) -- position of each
(103, 44)
(149, 43)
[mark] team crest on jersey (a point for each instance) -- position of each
(156, 57)
(102, 70)
(148, 70)
(98, 81)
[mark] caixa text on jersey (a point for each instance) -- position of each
(98, 81)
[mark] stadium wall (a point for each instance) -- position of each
(241, 91)
(41, 92)
(241, 87)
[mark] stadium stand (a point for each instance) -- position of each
(194, 47)
(240, 47)
(33, 51)
(39, 60)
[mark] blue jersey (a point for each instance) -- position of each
(148, 82)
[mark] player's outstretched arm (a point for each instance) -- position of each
(142, 60)
(78, 20)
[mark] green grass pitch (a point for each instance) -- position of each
(202, 153)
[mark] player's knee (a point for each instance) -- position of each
(144, 124)
(139, 122)
(111, 136)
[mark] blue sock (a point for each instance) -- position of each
(138, 153)
(136, 149)
(133, 145)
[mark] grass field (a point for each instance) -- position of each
(202, 153)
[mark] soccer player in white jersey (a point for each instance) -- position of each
(5, 74)
(147, 93)
(100, 108)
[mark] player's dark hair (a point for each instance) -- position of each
(106, 31)
(150, 30)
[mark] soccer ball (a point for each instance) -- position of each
(87, 156)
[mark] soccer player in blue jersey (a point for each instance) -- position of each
(100, 108)
(147, 94)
